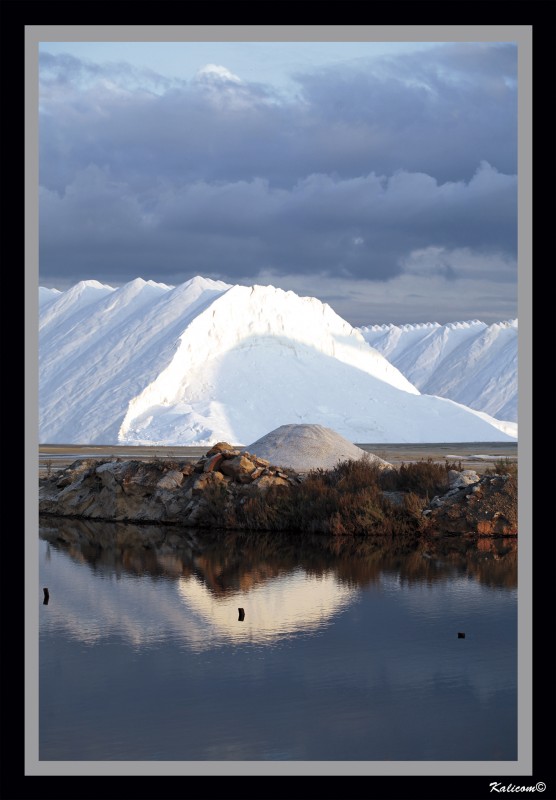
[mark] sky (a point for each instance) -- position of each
(379, 177)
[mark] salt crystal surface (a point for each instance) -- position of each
(149, 364)
(305, 447)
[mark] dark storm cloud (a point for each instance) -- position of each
(438, 113)
(166, 179)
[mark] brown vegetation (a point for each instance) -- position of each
(488, 509)
(425, 478)
(348, 499)
(235, 490)
(503, 466)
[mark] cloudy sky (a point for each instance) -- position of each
(379, 177)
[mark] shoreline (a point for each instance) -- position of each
(478, 456)
(229, 489)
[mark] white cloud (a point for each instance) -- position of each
(216, 71)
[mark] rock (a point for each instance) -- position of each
(171, 480)
(220, 447)
(266, 481)
(490, 509)
(71, 473)
(238, 468)
(194, 511)
(466, 477)
(213, 462)
(205, 480)
(145, 491)
(212, 491)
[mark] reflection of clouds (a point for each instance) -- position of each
(402, 636)
(454, 592)
(282, 606)
(92, 607)
(434, 614)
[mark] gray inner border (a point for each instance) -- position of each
(522, 36)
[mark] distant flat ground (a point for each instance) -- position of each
(479, 456)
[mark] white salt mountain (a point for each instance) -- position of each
(305, 447)
(469, 362)
(205, 361)
(47, 295)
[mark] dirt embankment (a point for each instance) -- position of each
(232, 489)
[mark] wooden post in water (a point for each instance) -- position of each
(241, 615)
(46, 596)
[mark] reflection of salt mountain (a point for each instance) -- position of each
(205, 361)
(145, 611)
(280, 607)
(150, 584)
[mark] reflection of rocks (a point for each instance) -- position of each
(486, 506)
(238, 561)
(118, 547)
(490, 560)
(160, 491)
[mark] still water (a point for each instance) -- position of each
(348, 650)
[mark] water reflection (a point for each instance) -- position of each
(279, 607)
(228, 562)
(348, 649)
(189, 585)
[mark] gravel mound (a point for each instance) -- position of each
(306, 447)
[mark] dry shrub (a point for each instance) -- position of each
(423, 478)
(258, 511)
(347, 500)
(216, 511)
(353, 475)
(414, 504)
(312, 503)
(362, 511)
(452, 465)
(503, 466)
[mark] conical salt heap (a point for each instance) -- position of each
(306, 447)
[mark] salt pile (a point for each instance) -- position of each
(470, 362)
(148, 364)
(306, 447)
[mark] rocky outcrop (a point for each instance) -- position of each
(465, 477)
(486, 506)
(231, 488)
(161, 491)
